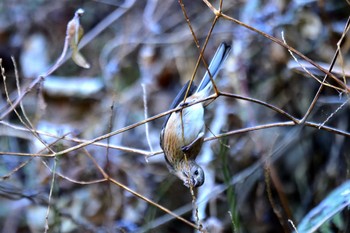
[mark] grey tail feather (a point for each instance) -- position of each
(220, 56)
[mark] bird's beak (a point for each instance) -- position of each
(194, 182)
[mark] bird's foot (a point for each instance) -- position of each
(199, 139)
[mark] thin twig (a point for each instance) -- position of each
(99, 28)
(26, 122)
(110, 128)
(84, 143)
(333, 113)
(293, 226)
(278, 41)
(306, 69)
(146, 116)
(345, 31)
(50, 194)
(200, 58)
(153, 203)
(32, 156)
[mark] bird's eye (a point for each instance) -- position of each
(196, 173)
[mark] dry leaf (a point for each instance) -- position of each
(74, 34)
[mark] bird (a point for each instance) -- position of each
(182, 133)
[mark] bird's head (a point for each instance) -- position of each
(191, 174)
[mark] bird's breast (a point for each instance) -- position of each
(182, 128)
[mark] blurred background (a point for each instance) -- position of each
(141, 53)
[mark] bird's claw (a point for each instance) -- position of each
(189, 182)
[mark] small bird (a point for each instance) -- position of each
(182, 133)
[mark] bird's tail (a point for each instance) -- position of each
(220, 56)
